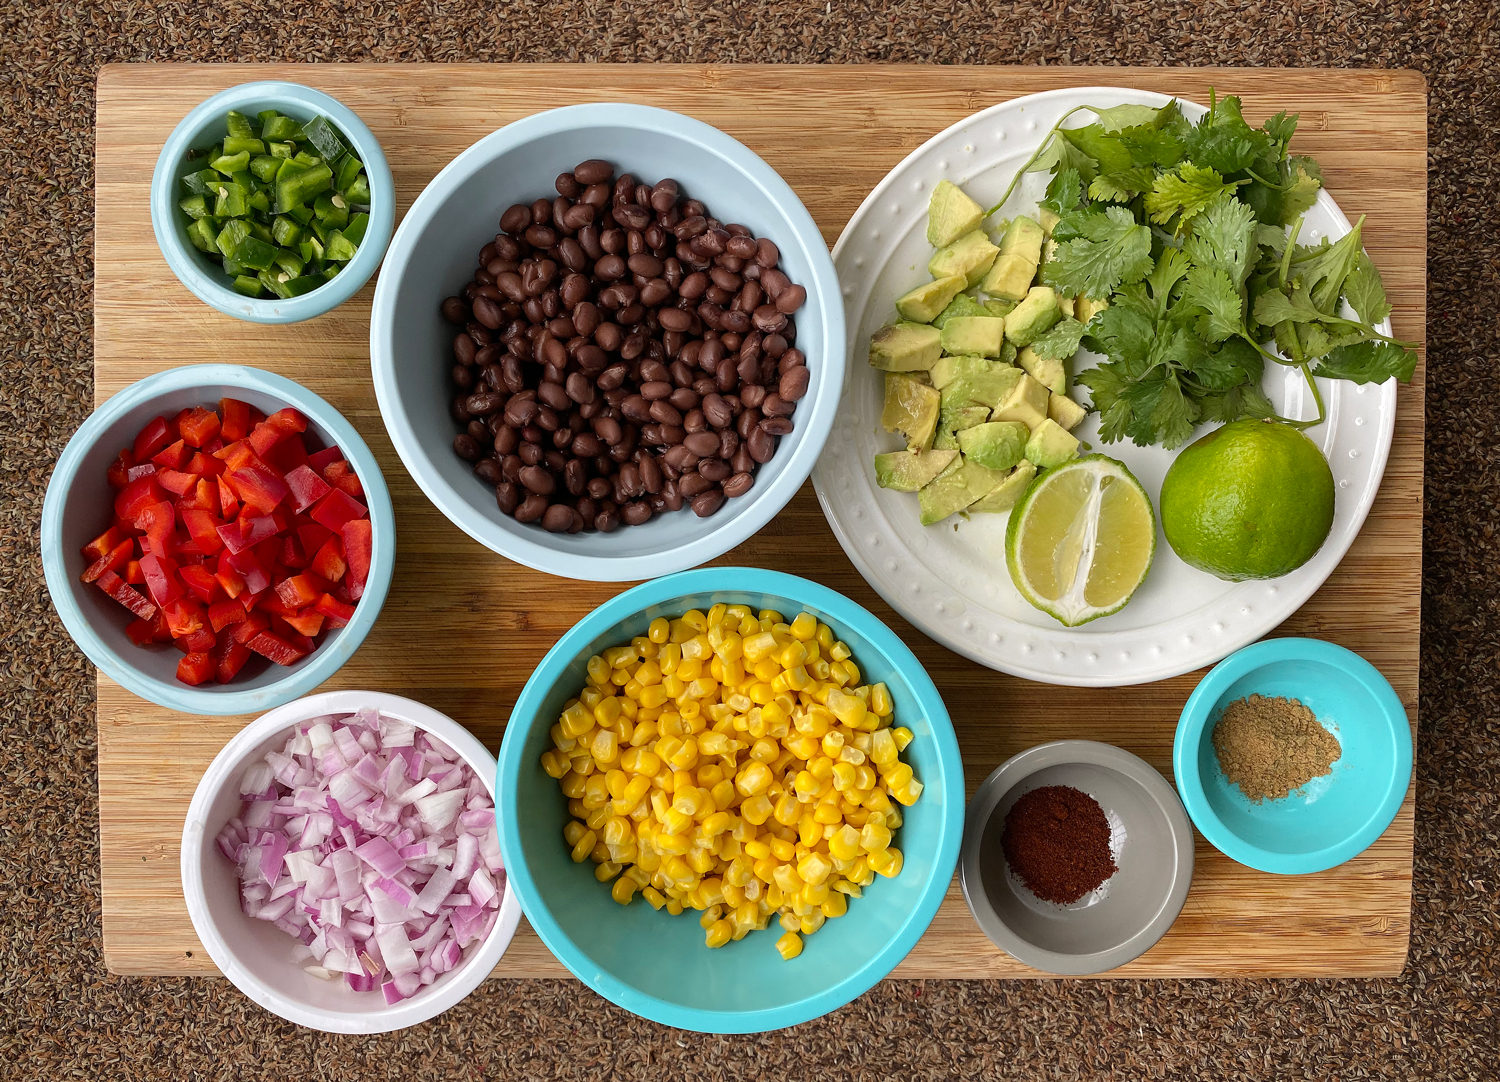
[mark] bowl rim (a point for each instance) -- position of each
(221, 699)
(767, 500)
(1017, 769)
(224, 770)
(740, 580)
(1192, 724)
(217, 294)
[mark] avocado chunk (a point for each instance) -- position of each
(911, 408)
(970, 255)
(989, 387)
(905, 347)
(1004, 495)
(997, 307)
(1065, 411)
(998, 445)
(926, 302)
(1047, 219)
(1048, 371)
(1086, 308)
(1065, 306)
(954, 489)
(957, 420)
(948, 369)
(961, 305)
(950, 214)
(1051, 445)
(1020, 252)
(1026, 402)
(1033, 317)
(907, 471)
(1023, 236)
(984, 335)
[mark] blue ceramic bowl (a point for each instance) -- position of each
(656, 965)
(77, 509)
(204, 127)
(1331, 818)
(433, 257)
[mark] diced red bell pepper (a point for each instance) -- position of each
(140, 632)
(311, 534)
(195, 668)
(240, 456)
(159, 520)
(288, 420)
(264, 438)
(359, 543)
(184, 616)
(279, 626)
(251, 571)
(173, 456)
(245, 532)
(198, 426)
(205, 465)
(214, 446)
(151, 439)
(337, 508)
(300, 591)
(145, 469)
(236, 419)
(287, 455)
(306, 487)
(112, 560)
(103, 544)
(229, 658)
(200, 580)
(271, 602)
(161, 578)
(341, 476)
(194, 641)
(136, 495)
(126, 595)
(259, 488)
(278, 648)
(337, 612)
(176, 482)
(319, 460)
(329, 561)
(308, 622)
(229, 503)
(292, 554)
(223, 613)
(203, 528)
(133, 573)
(252, 625)
(204, 497)
(118, 474)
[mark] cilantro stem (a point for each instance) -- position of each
(1045, 143)
(1286, 254)
(1312, 385)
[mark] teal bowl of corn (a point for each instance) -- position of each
(789, 784)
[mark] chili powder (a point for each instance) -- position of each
(1056, 840)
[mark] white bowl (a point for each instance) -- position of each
(433, 256)
(255, 955)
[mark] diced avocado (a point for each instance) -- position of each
(1085, 309)
(1024, 236)
(911, 408)
(983, 335)
(961, 305)
(954, 489)
(1048, 371)
(1065, 306)
(1004, 495)
(963, 418)
(996, 444)
(945, 440)
(923, 304)
(950, 214)
(1065, 411)
(1020, 253)
(998, 307)
(1033, 317)
(1051, 445)
(907, 471)
(970, 255)
(1047, 219)
(987, 388)
(905, 347)
(948, 369)
(1026, 402)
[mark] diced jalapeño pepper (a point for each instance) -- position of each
(231, 202)
(332, 209)
(300, 215)
(321, 134)
(307, 158)
(296, 190)
(290, 262)
(229, 164)
(358, 193)
(306, 284)
(202, 182)
(232, 268)
(263, 167)
(259, 201)
(281, 128)
(349, 168)
(272, 281)
(234, 145)
(202, 233)
(250, 287)
(311, 249)
(229, 237)
(254, 252)
(281, 150)
(339, 249)
(194, 206)
(260, 232)
(285, 232)
(238, 125)
(355, 230)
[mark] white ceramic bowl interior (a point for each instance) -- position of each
(255, 955)
(433, 256)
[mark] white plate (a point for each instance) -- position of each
(950, 579)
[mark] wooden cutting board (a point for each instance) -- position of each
(463, 627)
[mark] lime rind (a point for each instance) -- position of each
(1071, 609)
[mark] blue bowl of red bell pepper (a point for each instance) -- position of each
(263, 558)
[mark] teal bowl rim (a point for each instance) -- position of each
(730, 580)
(215, 292)
(220, 699)
(1194, 720)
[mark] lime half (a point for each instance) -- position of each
(1080, 540)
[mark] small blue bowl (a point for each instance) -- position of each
(1331, 818)
(204, 127)
(77, 509)
(656, 965)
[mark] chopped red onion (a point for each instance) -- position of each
(372, 845)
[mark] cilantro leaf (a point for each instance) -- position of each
(1225, 369)
(1171, 267)
(1282, 127)
(1064, 192)
(1368, 362)
(1061, 155)
(1161, 412)
(1118, 117)
(1271, 237)
(1152, 146)
(1365, 292)
(1209, 292)
(1123, 332)
(1110, 249)
(1223, 237)
(1275, 307)
(1300, 180)
(1321, 271)
(1186, 192)
(1246, 400)
(1104, 148)
(1061, 342)
(1224, 142)
(1121, 187)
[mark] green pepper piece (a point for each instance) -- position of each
(281, 128)
(229, 164)
(355, 230)
(254, 252)
(260, 201)
(285, 232)
(358, 193)
(263, 167)
(234, 231)
(311, 250)
(291, 167)
(300, 215)
(305, 284)
(332, 209)
(340, 250)
(265, 115)
(320, 133)
(259, 231)
(243, 146)
(231, 202)
(202, 182)
(349, 168)
(238, 125)
(331, 271)
(194, 206)
(307, 158)
(290, 262)
(281, 151)
(211, 153)
(272, 281)
(296, 190)
(243, 283)
(232, 268)
(202, 235)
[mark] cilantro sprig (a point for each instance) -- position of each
(1182, 229)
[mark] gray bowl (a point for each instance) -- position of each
(1151, 840)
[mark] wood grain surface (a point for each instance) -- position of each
(463, 627)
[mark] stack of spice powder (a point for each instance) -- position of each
(1270, 747)
(1056, 841)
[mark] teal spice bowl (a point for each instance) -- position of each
(657, 965)
(77, 509)
(1330, 819)
(201, 129)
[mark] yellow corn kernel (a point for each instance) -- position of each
(783, 849)
(802, 746)
(719, 933)
(715, 824)
(617, 832)
(584, 846)
(756, 809)
(828, 815)
(606, 871)
(814, 868)
(821, 767)
(674, 907)
(806, 786)
(710, 915)
(892, 866)
(804, 627)
(809, 830)
(786, 877)
(672, 844)
(875, 838)
(789, 922)
(836, 905)
(624, 889)
(812, 922)
(576, 720)
(765, 869)
(897, 776)
(701, 860)
(555, 763)
(908, 793)
(753, 780)
(599, 816)
(838, 652)
(605, 749)
(902, 735)
(844, 776)
(659, 630)
(757, 849)
(815, 894)
(791, 655)
(758, 646)
(849, 709)
(881, 703)
(653, 897)
(689, 801)
(844, 845)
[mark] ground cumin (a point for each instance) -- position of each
(1056, 840)
(1268, 747)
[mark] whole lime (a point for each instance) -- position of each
(1251, 500)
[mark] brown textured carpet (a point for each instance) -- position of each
(62, 1016)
